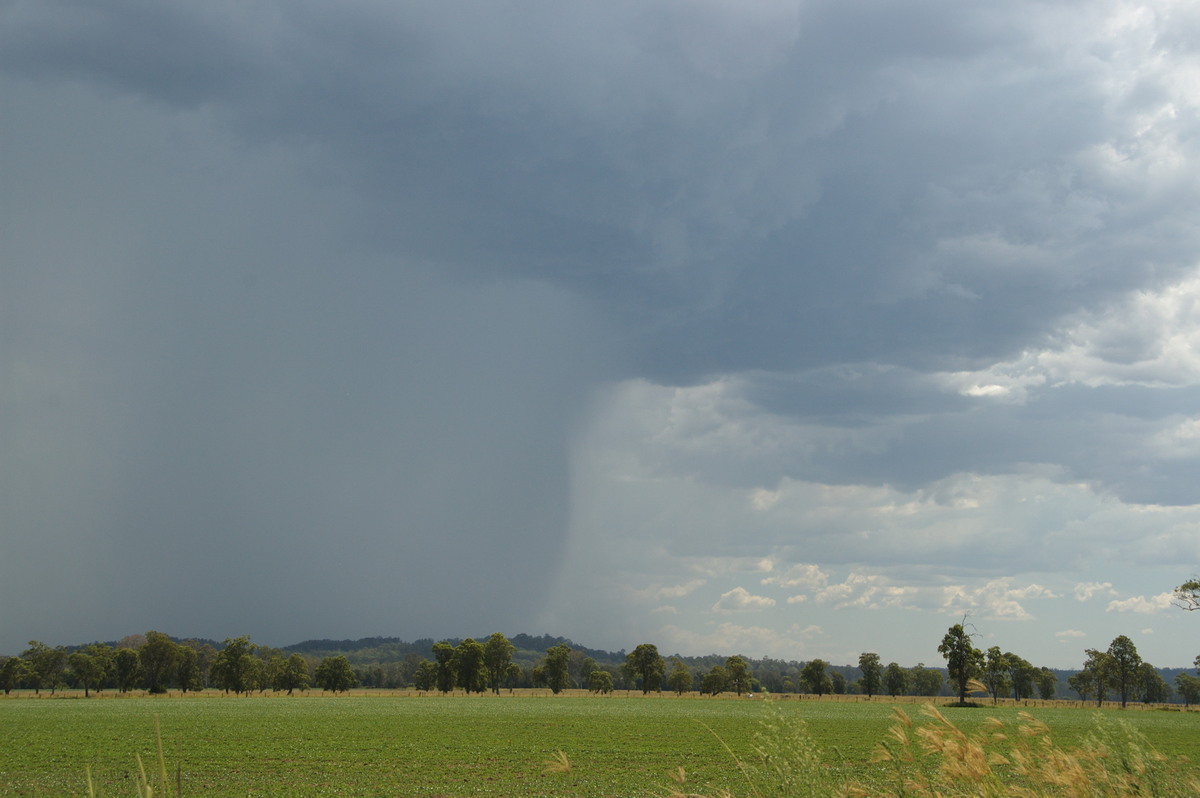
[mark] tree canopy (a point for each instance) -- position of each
(646, 665)
(963, 661)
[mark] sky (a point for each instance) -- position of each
(789, 329)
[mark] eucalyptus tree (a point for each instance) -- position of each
(1047, 683)
(13, 671)
(91, 666)
(469, 666)
(895, 680)
(1124, 662)
(425, 675)
(644, 663)
(1152, 688)
(335, 674)
(715, 682)
(290, 674)
(995, 672)
(1187, 595)
(680, 678)
(46, 665)
(497, 655)
(1189, 688)
(963, 661)
(1021, 675)
(443, 654)
(556, 667)
(872, 673)
(158, 657)
(600, 681)
(188, 675)
(737, 672)
(1092, 680)
(925, 681)
(235, 667)
(814, 676)
(126, 668)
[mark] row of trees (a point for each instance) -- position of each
(1118, 671)
(154, 662)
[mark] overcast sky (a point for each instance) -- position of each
(797, 329)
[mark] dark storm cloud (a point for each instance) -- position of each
(222, 416)
(308, 294)
(801, 211)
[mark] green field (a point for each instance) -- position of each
(379, 744)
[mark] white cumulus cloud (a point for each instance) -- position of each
(1143, 605)
(741, 600)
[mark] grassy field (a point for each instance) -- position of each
(380, 744)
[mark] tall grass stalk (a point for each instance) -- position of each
(936, 759)
(142, 781)
(941, 760)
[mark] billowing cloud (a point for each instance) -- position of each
(1087, 590)
(1142, 604)
(802, 575)
(996, 600)
(789, 642)
(599, 314)
(741, 600)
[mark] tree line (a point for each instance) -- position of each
(156, 662)
(1119, 672)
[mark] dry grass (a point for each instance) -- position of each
(936, 759)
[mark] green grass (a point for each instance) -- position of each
(371, 744)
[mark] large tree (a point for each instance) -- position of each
(1151, 686)
(235, 667)
(715, 682)
(46, 665)
(335, 674)
(425, 675)
(737, 671)
(469, 666)
(963, 660)
(1123, 662)
(127, 669)
(995, 672)
(497, 654)
(646, 664)
(680, 678)
(187, 669)
(1092, 680)
(291, 675)
(895, 680)
(1020, 675)
(872, 673)
(13, 671)
(1047, 683)
(814, 676)
(158, 657)
(600, 681)
(1189, 688)
(443, 654)
(925, 681)
(91, 666)
(556, 667)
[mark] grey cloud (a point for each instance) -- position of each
(330, 287)
(779, 220)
